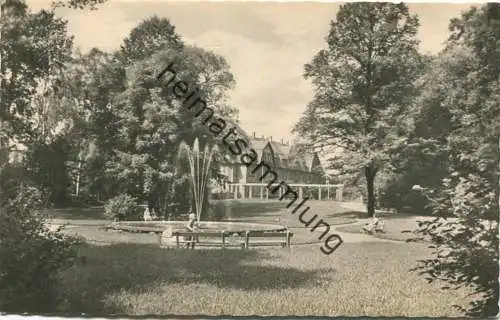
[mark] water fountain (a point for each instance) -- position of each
(199, 171)
(199, 166)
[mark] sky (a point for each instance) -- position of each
(266, 45)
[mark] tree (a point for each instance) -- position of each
(422, 160)
(466, 247)
(92, 81)
(35, 51)
(152, 122)
(77, 4)
(149, 37)
(107, 91)
(363, 88)
(35, 48)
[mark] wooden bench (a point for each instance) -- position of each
(195, 238)
(281, 238)
(225, 239)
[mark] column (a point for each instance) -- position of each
(319, 193)
(235, 191)
(301, 194)
(267, 193)
(328, 193)
(250, 192)
(261, 192)
(242, 191)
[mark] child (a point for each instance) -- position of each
(191, 227)
(147, 215)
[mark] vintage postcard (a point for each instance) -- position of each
(245, 159)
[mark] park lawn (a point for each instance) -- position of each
(134, 276)
(358, 279)
(274, 211)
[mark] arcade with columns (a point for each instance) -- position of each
(295, 164)
(261, 191)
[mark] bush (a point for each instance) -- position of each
(352, 193)
(398, 195)
(123, 207)
(222, 195)
(32, 257)
(217, 211)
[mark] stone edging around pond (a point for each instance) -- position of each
(160, 226)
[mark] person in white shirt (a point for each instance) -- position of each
(191, 226)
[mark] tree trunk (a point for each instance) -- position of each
(370, 173)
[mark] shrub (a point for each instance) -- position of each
(466, 247)
(123, 207)
(397, 194)
(32, 257)
(217, 211)
(351, 193)
(222, 195)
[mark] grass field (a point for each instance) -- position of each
(134, 276)
(359, 279)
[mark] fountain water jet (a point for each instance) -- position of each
(199, 165)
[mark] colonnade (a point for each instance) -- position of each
(246, 190)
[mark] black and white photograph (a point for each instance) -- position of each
(250, 159)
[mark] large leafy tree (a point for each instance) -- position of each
(78, 4)
(97, 80)
(93, 81)
(153, 124)
(150, 36)
(363, 88)
(422, 160)
(35, 49)
(466, 247)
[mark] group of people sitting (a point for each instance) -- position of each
(376, 225)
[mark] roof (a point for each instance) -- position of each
(296, 156)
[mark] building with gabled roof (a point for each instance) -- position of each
(294, 163)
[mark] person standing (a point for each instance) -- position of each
(191, 226)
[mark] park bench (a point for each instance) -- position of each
(209, 238)
(267, 239)
(225, 239)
